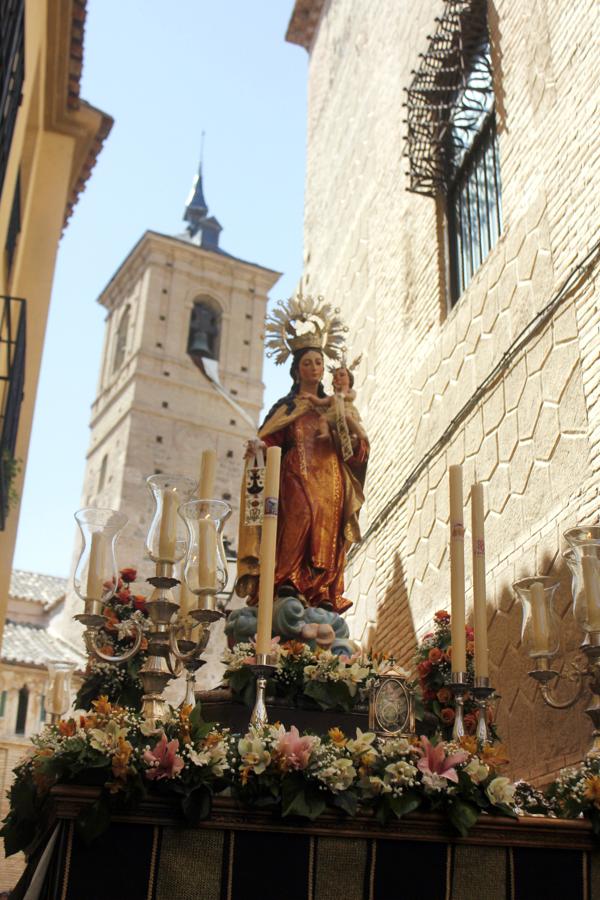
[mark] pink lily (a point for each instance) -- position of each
(435, 762)
(163, 759)
(295, 750)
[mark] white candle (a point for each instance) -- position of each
(479, 594)
(207, 555)
(167, 537)
(268, 546)
(457, 570)
(60, 703)
(187, 600)
(540, 626)
(95, 574)
(591, 583)
(206, 485)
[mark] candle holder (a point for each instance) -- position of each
(460, 687)
(581, 671)
(205, 569)
(262, 670)
(482, 692)
(96, 577)
(58, 690)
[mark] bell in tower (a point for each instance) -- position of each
(205, 328)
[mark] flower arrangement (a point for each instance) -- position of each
(118, 681)
(303, 676)
(269, 767)
(114, 748)
(434, 667)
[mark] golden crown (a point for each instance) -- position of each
(343, 363)
(304, 322)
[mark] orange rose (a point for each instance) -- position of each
(67, 727)
(444, 695)
(470, 723)
(447, 716)
(435, 655)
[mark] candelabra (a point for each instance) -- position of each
(540, 629)
(180, 528)
(482, 693)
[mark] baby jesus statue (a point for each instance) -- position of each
(339, 408)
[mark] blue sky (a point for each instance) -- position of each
(165, 73)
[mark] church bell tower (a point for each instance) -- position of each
(181, 371)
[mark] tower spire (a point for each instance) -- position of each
(201, 228)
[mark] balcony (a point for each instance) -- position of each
(12, 377)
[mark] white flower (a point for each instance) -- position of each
(254, 754)
(198, 758)
(435, 782)
(394, 747)
(107, 739)
(400, 772)
(500, 790)
(376, 785)
(339, 775)
(477, 771)
(362, 743)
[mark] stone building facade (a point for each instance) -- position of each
(157, 406)
(28, 644)
(507, 380)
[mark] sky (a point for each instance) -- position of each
(165, 72)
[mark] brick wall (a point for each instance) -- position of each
(378, 251)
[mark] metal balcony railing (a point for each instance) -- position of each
(12, 379)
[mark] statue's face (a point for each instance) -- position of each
(341, 379)
(310, 368)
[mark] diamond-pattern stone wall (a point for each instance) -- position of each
(379, 252)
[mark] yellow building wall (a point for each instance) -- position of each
(54, 137)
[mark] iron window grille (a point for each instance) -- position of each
(12, 73)
(451, 136)
(14, 225)
(12, 380)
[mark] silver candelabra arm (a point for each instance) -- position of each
(578, 672)
(187, 650)
(91, 642)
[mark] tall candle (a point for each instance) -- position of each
(95, 580)
(268, 546)
(187, 600)
(206, 486)
(591, 584)
(540, 627)
(207, 554)
(457, 570)
(167, 537)
(59, 702)
(479, 597)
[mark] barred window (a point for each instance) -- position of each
(451, 142)
(474, 200)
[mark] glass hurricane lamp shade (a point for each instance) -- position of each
(96, 572)
(167, 536)
(58, 691)
(584, 541)
(539, 629)
(205, 569)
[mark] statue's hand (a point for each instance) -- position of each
(252, 448)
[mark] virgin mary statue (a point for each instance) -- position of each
(320, 493)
